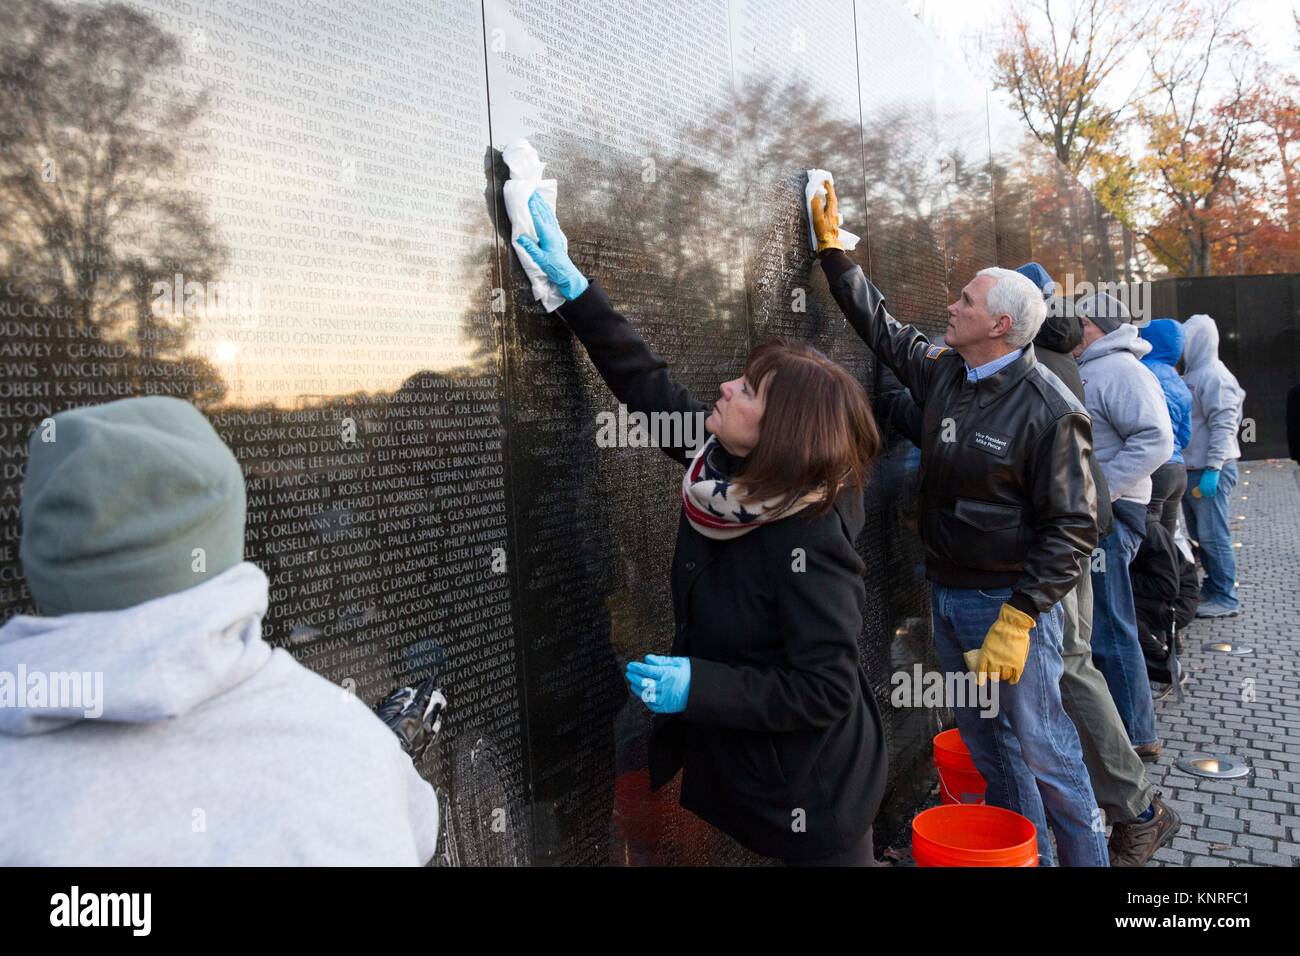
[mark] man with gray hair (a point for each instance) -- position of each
(1133, 436)
(1007, 520)
(1142, 821)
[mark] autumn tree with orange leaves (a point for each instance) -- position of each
(1168, 113)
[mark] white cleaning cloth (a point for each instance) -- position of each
(816, 187)
(525, 177)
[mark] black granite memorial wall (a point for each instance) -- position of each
(1259, 340)
(289, 214)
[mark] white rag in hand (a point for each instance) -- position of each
(525, 178)
(817, 179)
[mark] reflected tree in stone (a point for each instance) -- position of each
(93, 211)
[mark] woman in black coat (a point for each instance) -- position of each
(762, 702)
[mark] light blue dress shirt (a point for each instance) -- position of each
(992, 368)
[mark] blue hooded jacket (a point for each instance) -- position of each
(1166, 338)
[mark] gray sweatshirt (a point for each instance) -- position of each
(1217, 397)
(1132, 435)
(191, 742)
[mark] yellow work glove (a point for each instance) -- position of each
(1006, 647)
(826, 219)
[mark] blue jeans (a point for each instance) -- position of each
(1028, 753)
(1115, 647)
(1207, 524)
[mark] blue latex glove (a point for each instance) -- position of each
(553, 256)
(1209, 482)
(662, 683)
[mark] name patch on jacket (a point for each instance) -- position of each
(992, 442)
(934, 351)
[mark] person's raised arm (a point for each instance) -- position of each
(903, 348)
(637, 376)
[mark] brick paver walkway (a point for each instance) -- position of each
(1246, 707)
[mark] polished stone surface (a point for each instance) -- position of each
(290, 216)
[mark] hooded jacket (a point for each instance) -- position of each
(1131, 432)
(1217, 397)
(192, 742)
(1165, 336)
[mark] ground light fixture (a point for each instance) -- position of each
(1214, 766)
(1228, 647)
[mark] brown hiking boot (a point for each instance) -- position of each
(1133, 844)
(1149, 752)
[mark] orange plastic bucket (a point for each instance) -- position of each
(959, 781)
(973, 836)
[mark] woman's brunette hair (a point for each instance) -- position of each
(817, 432)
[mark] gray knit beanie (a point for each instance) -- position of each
(1106, 312)
(126, 502)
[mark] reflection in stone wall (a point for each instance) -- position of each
(289, 215)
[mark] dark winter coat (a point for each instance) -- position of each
(1008, 500)
(781, 744)
(1054, 345)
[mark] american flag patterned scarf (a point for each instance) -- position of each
(716, 506)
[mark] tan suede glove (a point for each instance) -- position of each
(826, 219)
(1005, 649)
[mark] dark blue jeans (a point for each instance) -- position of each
(1207, 523)
(1115, 647)
(1028, 752)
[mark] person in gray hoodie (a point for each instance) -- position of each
(143, 719)
(1211, 457)
(1132, 437)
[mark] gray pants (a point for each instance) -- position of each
(1119, 780)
